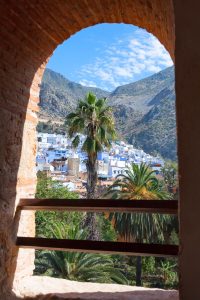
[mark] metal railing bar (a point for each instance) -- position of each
(101, 205)
(124, 248)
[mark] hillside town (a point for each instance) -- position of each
(62, 163)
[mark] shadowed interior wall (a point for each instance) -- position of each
(29, 32)
(188, 119)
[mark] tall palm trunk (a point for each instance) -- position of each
(91, 218)
(92, 177)
(131, 239)
(138, 271)
(90, 223)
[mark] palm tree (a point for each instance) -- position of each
(92, 118)
(76, 266)
(138, 183)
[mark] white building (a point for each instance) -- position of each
(44, 167)
(117, 167)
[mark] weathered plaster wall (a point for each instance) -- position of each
(29, 33)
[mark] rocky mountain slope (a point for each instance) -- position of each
(144, 110)
(59, 96)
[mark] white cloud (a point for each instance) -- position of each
(154, 69)
(125, 61)
(85, 82)
(104, 75)
(122, 72)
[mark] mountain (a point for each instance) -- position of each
(144, 110)
(145, 113)
(157, 129)
(59, 96)
(140, 95)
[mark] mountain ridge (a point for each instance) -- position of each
(144, 110)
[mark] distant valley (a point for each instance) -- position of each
(144, 110)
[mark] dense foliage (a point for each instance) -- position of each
(170, 175)
(139, 183)
(73, 266)
(77, 266)
(155, 272)
(49, 189)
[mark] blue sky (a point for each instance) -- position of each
(109, 55)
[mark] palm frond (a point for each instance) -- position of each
(77, 266)
(100, 103)
(139, 182)
(89, 145)
(91, 98)
(76, 141)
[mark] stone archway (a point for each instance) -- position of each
(29, 32)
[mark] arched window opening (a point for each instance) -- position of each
(130, 68)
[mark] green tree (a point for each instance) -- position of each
(50, 189)
(168, 270)
(138, 183)
(76, 266)
(170, 174)
(93, 118)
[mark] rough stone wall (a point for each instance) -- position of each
(30, 30)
